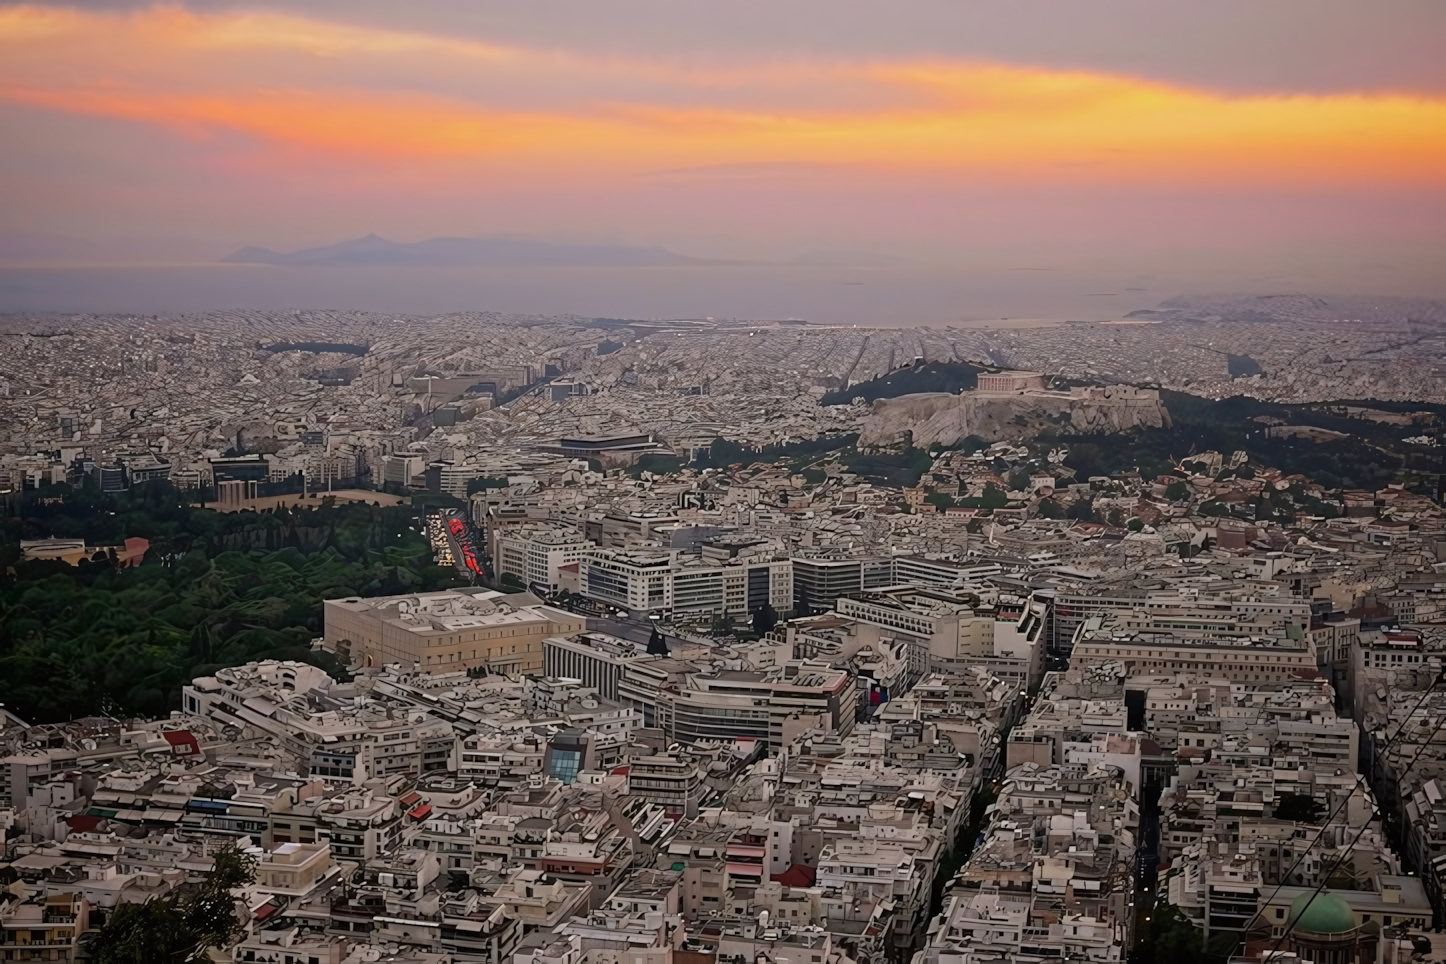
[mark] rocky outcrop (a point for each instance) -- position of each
(945, 419)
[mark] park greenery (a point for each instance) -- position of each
(215, 589)
(951, 377)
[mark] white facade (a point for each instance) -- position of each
(536, 554)
(661, 582)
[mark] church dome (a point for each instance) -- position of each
(1323, 913)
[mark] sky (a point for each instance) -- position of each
(1225, 145)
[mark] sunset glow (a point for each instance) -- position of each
(367, 97)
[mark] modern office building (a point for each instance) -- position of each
(663, 581)
(595, 659)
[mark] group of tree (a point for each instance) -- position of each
(181, 927)
(214, 590)
(1171, 938)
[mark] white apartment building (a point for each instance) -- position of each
(535, 554)
(946, 634)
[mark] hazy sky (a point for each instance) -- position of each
(1289, 136)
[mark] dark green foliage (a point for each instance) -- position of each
(483, 484)
(1176, 491)
(510, 582)
(1370, 457)
(972, 444)
(901, 469)
(149, 933)
(940, 499)
(1299, 807)
(993, 498)
(1242, 366)
(952, 377)
(1087, 459)
(814, 476)
(1081, 509)
(1136, 525)
(318, 347)
(215, 590)
(1170, 938)
(1050, 509)
(724, 452)
(656, 464)
(765, 618)
(657, 645)
(178, 929)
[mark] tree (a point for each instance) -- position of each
(1176, 491)
(483, 484)
(657, 645)
(510, 582)
(178, 929)
(802, 608)
(1136, 525)
(1172, 939)
(1299, 807)
(1049, 509)
(722, 625)
(765, 617)
(1082, 509)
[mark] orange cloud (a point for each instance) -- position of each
(366, 96)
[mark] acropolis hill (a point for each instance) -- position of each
(1006, 403)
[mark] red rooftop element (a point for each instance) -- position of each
(797, 875)
(420, 813)
(410, 799)
(183, 742)
(134, 552)
(82, 822)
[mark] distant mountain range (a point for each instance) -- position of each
(465, 252)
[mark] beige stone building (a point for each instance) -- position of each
(446, 632)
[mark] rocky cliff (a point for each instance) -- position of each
(945, 419)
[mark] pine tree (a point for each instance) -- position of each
(175, 929)
(657, 645)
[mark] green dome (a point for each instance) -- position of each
(1326, 914)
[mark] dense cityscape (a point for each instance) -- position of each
(644, 482)
(345, 637)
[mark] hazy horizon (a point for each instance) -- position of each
(1230, 148)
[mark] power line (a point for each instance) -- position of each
(1360, 781)
(1290, 926)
